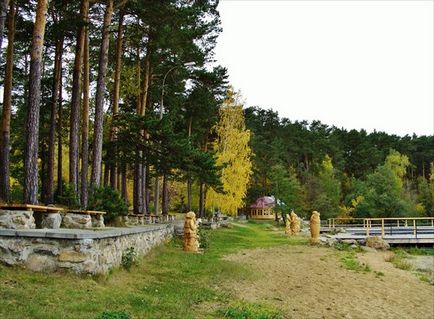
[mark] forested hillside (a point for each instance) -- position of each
(122, 100)
(340, 172)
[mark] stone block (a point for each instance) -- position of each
(17, 219)
(98, 221)
(79, 221)
(40, 263)
(71, 257)
(51, 220)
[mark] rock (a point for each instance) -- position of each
(52, 220)
(350, 241)
(98, 221)
(377, 243)
(71, 256)
(40, 263)
(71, 220)
(17, 219)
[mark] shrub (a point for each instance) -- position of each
(69, 197)
(204, 239)
(108, 200)
(128, 258)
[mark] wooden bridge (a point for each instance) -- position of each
(394, 230)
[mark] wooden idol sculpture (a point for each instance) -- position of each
(315, 223)
(287, 225)
(191, 242)
(295, 223)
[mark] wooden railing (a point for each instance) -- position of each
(399, 221)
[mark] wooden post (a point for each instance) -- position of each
(382, 228)
(367, 227)
(398, 222)
(414, 227)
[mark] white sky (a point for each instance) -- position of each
(353, 64)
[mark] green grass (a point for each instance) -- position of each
(167, 283)
(349, 261)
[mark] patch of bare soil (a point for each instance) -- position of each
(309, 282)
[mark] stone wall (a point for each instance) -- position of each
(79, 251)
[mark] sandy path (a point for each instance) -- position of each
(308, 282)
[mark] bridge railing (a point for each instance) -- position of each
(345, 222)
(404, 222)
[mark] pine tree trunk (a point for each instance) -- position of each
(202, 189)
(49, 196)
(59, 141)
(3, 11)
(99, 100)
(7, 107)
(124, 189)
(75, 99)
(85, 124)
(165, 196)
(32, 119)
(116, 93)
(189, 181)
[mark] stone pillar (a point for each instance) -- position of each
(191, 242)
(315, 224)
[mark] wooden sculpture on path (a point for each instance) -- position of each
(295, 223)
(315, 224)
(191, 242)
(287, 225)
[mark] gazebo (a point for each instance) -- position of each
(262, 209)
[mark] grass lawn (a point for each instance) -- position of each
(167, 283)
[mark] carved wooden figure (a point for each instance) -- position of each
(287, 225)
(191, 242)
(295, 223)
(315, 223)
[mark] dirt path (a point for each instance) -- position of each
(308, 282)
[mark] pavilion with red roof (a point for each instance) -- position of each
(262, 209)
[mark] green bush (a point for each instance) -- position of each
(68, 197)
(128, 258)
(108, 200)
(204, 239)
(113, 315)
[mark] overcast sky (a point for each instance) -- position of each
(353, 64)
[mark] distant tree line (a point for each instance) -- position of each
(339, 172)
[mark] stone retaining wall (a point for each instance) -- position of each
(79, 251)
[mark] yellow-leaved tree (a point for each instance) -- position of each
(233, 154)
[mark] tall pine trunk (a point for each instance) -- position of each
(7, 107)
(49, 196)
(3, 11)
(85, 124)
(202, 189)
(189, 181)
(116, 94)
(59, 142)
(99, 100)
(165, 196)
(75, 99)
(33, 108)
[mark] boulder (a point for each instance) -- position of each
(377, 243)
(98, 221)
(51, 220)
(17, 219)
(80, 221)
